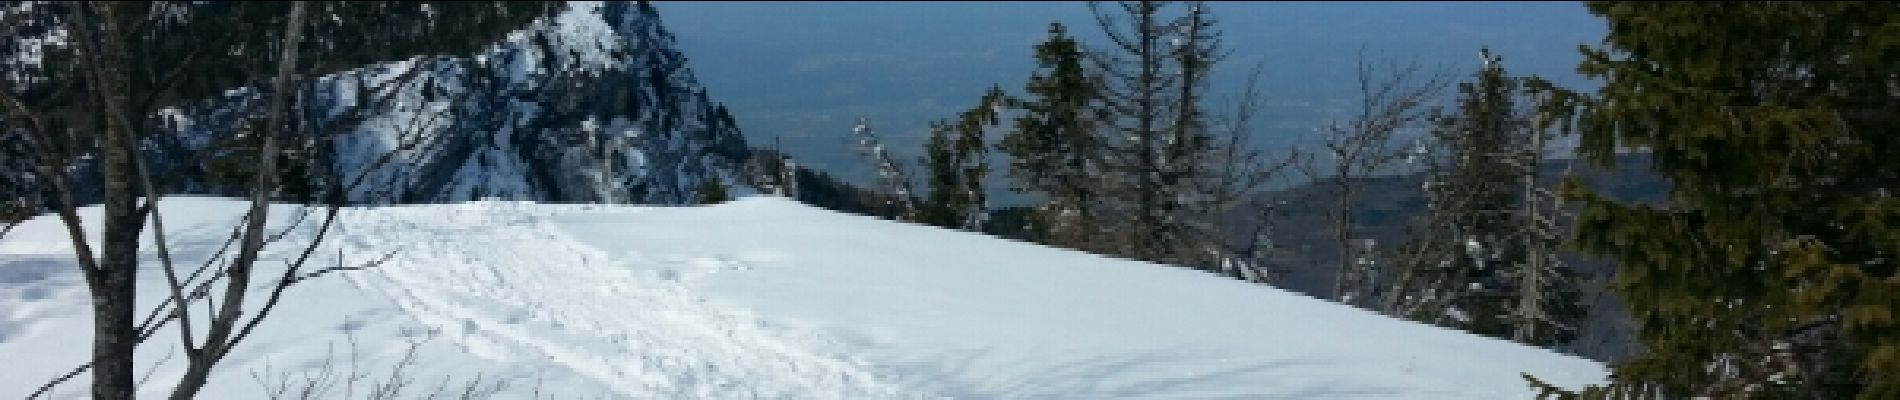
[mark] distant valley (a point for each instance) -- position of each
(804, 72)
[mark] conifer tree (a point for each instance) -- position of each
(1770, 271)
(956, 158)
(1153, 74)
(1119, 150)
(1054, 150)
(1487, 261)
(711, 191)
(770, 170)
(894, 183)
(942, 177)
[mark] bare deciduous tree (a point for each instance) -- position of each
(1239, 173)
(1367, 143)
(352, 377)
(82, 98)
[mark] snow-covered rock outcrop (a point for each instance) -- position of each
(594, 104)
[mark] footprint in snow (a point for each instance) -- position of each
(349, 325)
(417, 331)
(36, 293)
(30, 270)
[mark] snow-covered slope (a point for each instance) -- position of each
(761, 297)
(594, 104)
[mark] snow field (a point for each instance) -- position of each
(757, 298)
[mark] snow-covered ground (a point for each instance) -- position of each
(757, 298)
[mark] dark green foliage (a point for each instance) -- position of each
(818, 188)
(92, 108)
(300, 180)
(1771, 269)
(230, 163)
(1155, 178)
(1016, 223)
(769, 170)
(1053, 149)
(1485, 260)
(710, 191)
(1115, 147)
(1547, 391)
(829, 192)
(956, 164)
(187, 52)
(198, 50)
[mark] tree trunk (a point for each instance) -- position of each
(1342, 235)
(114, 282)
(114, 336)
(218, 339)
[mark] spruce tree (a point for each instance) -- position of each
(941, 177)
(1485, 261)
(894, 183)
(956, 159)
(1472, 191)
(1153, 73)
(1053, 148)
(1770, 271)
(1188, 151)
(711, 191)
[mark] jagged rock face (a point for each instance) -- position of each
(591, 105)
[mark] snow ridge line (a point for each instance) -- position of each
(1353, 308)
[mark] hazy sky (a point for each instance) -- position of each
(804, 71)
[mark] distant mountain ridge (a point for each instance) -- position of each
(1388, 205)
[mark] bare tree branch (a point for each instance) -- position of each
(217, 337)
(1390, 102)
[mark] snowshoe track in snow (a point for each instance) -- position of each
(503, 285)
(755, 298)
